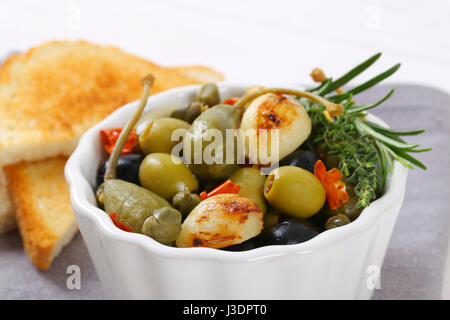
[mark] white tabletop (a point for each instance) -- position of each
(249, 40)
(256, 40)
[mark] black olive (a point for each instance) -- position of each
(289, 231)
(127, 169)
(304, 159)
(319, 219)
(208, 185)
(250, 244)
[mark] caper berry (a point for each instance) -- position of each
(189, 112)
(209, 95)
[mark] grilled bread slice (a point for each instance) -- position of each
(51, 94)
(40, 198)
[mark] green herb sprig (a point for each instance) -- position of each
(366, 150)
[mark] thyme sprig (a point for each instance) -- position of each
(365, 149)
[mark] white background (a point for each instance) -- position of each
(260, 40)
(273, 40)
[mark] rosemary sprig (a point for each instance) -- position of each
(352, 74)
(366, 85)
(366, 150)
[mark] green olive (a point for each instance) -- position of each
(185, 201)
(132, 204)
(337, 221)
(209, 95)
(349, 208)
(294, 191)
(271, 218)
(152, 115)
(166, 175)
(157, 137)
(252, 185)
(163, 226)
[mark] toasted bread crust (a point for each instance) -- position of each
(7, 219)
(49, 96)
(201, 73)
(53, 93)
(40, 197)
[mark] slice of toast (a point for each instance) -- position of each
(7, 219)
(40, 197)
(53, 93)
(48, 97)
(200, 73)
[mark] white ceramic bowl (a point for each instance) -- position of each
(341, 263)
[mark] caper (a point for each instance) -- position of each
(271, 218)
(337, 221)
(209, 95)
(193, 111)
(185, 201)
(189, 112)
(163, 226)
(349, 208)
(100, 195)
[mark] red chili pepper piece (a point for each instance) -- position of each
(337, 194)
(231, 101)
(226, 187)
(109, 138)
(119, 224)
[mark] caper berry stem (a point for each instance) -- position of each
(298, 93)
(147, 83)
